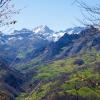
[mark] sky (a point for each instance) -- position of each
(56, 14)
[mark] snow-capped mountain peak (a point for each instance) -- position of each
(74, 30)
(42, 29)
(22, 31)
(40, 32)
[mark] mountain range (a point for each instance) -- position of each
(28, 41)
(34, 61)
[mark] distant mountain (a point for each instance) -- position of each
(71, 44)
(57, 47)
(47, 33)
(39, 32)
(35, 61)
(25, 44)
(19, 43)
(42, 29)
(75, 30)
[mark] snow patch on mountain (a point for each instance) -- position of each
(40, 32)
(42, 29)
(47, 33)
(74, 30)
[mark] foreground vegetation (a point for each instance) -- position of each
(74, 78)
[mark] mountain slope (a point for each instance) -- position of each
(66, 69)
(10, 82)
(24, 44)
(74, 78)
(71, 44)
(66, 46)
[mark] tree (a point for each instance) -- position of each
(91, 13)
(7, 12)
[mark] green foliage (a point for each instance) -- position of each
(82, 80)
(55, 69)
(22, 96)
(22, 54)
(85, 91)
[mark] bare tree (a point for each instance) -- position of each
(7, 12)
(90, 13)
